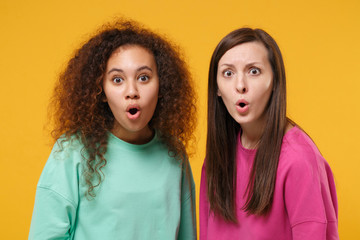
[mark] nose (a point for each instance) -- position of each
(132, 90)
(241, 84)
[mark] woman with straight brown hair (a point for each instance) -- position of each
(263, 177)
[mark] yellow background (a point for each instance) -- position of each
(319, 41)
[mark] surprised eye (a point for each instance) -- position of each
(143, 78)
(117, 80)
(228, 73)
(254, 71)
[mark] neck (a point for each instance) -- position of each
(138, 137)
(251, 134)
(250, 140)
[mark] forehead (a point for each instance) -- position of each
(245, 53)
(127, 53)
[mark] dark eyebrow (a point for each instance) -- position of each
(247, 65)
(115, 70)
(253, 63)
(227, 65)
(143, 68)
(137, 70)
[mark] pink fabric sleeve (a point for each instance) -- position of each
(315, 230)
(306, 192)
(309, 230)
(203, 205)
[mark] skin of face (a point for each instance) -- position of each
(131, 86)
(245, 82)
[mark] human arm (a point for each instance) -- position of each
(203, 206)
(56, 198)
(53, 216)
(187, 229)
(310, 196)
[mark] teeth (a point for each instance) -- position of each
(133, 111)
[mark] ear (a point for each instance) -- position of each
(218, 93)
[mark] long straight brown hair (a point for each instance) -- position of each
(223, 130)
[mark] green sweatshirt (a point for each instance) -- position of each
(144, 195)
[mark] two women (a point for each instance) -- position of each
(125, 114)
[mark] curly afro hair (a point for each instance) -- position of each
(78, 109)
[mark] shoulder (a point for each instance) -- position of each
(64, 161)
(62, 171)
(65, 152)
(296, 140)
(67, 144)
(305, 180)
(299, 152)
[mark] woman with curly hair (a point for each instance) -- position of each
(124, 114)
(263, 177)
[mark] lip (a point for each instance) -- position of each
(133, 116)
(243, 109)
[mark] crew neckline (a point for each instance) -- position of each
(131, 145)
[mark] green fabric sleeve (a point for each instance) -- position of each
(187, 229)
(57, 194)
(53, 216)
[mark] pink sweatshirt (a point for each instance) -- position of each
(304, 205)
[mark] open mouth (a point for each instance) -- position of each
(242, 104)
(133, 111)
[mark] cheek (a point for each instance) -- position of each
(218, 91)
(264, 89)
(269, 89)
(226, 94)
(150, 100)
(114, 99)
(154, 100)
(222, 89)
(152, 93)
(264, 97)
(109, 97)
